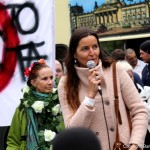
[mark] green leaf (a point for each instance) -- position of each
(46, 119)
(41, 133)
(55, 96)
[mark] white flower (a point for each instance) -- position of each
(49, 135)
(38, 106)
(26, 103)
(25, 89)
(56, 109)
(54, 90)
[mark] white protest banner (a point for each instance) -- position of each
(26, 35)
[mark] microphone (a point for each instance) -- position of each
(91, 64)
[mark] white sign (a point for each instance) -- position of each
(26, 35)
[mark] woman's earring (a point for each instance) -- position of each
(75, 61)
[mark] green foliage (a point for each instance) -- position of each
(109, 46)
(56, 81)
(127, 26)
(47, 119)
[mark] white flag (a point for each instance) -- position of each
(27, 34)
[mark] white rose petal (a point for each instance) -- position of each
(38, 106)
(49, 135)
(26, 104)
(56, 109)
(25, 89)
(54, 90)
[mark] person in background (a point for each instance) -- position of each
(35, 122)
(128, 68)
(145, 56)
(76, 139)
(120, 56)
(87, 97)
(145, 95)
(132, 59)
(59, 70)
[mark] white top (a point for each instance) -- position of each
(145, 95)
(139, 67)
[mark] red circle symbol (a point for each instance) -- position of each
(11, 40)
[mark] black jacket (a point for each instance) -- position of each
(146, 75)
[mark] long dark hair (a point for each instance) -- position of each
(73, 82)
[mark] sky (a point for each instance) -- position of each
(88, 5)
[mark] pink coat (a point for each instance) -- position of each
(95, 120)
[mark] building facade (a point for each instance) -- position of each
(113, 17)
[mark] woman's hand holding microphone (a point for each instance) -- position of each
(94, 82)
(94, 85)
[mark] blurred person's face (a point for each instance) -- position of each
(44, 81)
(144, 56)
(132, 59)
(59, 71)
(87, 49)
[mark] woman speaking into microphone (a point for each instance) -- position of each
(86, 94)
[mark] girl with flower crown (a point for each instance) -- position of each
(38, 117)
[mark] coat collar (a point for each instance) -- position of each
(83, 74)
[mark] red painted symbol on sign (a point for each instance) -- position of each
(11, 40)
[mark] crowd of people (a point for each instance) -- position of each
(76, 109)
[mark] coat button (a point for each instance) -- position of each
(107, 102)
(112, 129)
(97, 133)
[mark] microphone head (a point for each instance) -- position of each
(91, 64)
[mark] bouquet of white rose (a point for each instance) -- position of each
(48, 114)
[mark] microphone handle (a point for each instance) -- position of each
(99, 90)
